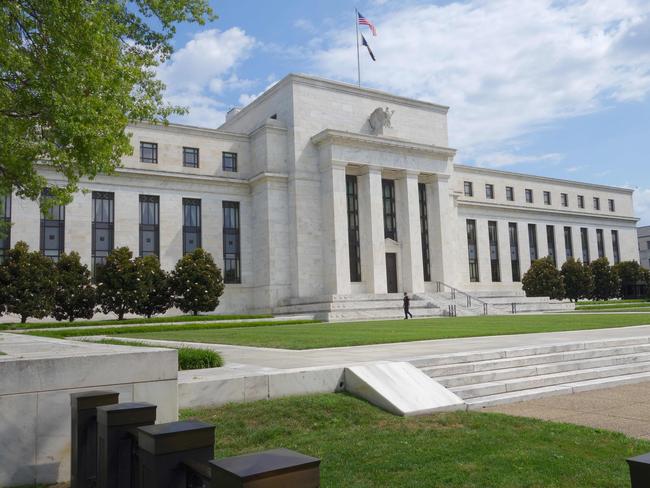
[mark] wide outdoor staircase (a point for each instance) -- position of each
(488, 378)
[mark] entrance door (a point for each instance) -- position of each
(391, 272)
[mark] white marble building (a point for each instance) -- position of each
(643, 234)
(319, 189)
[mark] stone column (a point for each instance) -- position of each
(441, 230)
(408, 232)
(505, 261)
(371, 231)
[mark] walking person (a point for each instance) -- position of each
(407, 305)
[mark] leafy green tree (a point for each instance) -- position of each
(631, 274)
(72, 75)
(117, 285)
(543, 280)
(27, 283)
(153, 291)
(197, 282)
(75, 294)
(606, 281)
(578, 281)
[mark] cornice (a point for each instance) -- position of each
(190, 129)
(262, 177)
(182, 176)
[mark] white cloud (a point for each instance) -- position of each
(505, 67)
(502, 158)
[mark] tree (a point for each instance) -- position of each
(606, 281)
(197, 282)
(153, 291)
(543, 280)
(72, 75)
(578, 281)
(117, 283)
(27, 283)
(631, 274)
(75, 294)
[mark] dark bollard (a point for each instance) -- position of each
(116, 442)
(640, 470)
(165, 450)
(83, 451)
(278, 468)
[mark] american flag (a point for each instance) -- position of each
(364, 21)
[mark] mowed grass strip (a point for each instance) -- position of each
(311, 336)
(363, 447)
(614, 306)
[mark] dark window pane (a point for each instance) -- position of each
(149, 152)
(229, 161)
(191, 157)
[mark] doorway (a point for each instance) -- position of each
(391, 272)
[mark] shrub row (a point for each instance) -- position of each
(32, 285)
(575, 280)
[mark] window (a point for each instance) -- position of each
(532, 242)
(615, 247)
(493, 236)
(469, 189)
(191, 224)
(648, 243)
(514, 251)
(5, 226)
(550, 241)
(149, 152)
(52, 229)
(103, 227)
(547, 198)
(191, 157)
(472, 251)
(390, 228)
(612, 206)
(600, 241)
(353, 228)
(229, 161)
(564, 198)
(231, 246)
(584, 239)
(568, 242)
(149, 225)
(529, 195)
(596, 203)
(581, 201)
(424, 232)
(510, 194)
(489, 191)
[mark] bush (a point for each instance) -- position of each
(117, 283)
(75, 295)
(631, 275)
(197, 283)
(27, 283)
(191, 358)
(153, 293)
(578, 280)
(543, 280)
(606, 282)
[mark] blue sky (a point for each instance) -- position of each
(549, 87)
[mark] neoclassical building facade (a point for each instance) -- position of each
(319, 189)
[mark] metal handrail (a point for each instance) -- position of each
(440, 286)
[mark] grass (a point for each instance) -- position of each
(614, 306)
(311, 336)
(610, 302)
(362, 447)
(142, 320)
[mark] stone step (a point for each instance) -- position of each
(342, 306)
(352, 315)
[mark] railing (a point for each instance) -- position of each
(442, 287)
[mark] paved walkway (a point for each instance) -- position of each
(623, 409)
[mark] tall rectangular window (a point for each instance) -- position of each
(489, 191)
(5, 226)
(103, 226)
(229, 161)
(600, 243)
(529, 195)
(514, 251)
(354, 243)
(617, 253)
(581, 201)
(424, 232)
(596, 203)
(468, 188)
(510, 194)
(532, 242)
(472, 250)
(231, 243)
(149, 152)
(191, 224)
(149, 225)
(564, 199)
(493, 235)
(547, 197)
(390, 227)
(52, 229)
(584, 239)
(568, 242)
(191, 157)
(612, 207)
(550, 241)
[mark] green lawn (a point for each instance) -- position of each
(361, 446)
(615, 306)
(310, 336)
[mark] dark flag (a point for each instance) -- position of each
(365, 43)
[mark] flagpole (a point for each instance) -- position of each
(356, 24)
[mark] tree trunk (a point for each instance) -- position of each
(120, 316)
(195, 312)
(23, 319)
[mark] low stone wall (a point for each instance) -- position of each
(37, 376)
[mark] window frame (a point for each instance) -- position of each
(149, 227)
(107, 225)
(194, 152)
(515, 261)
(56, 220)
(154, 152)
(493, 241)
(550, 243)
(533, 247)
(528, 193)
(235, 230)
(188, 229)
(424, 231)
(547, 197)
(564, 199)
(472, 246)
(510, 194)
(5, 218)
(611, 205)
(489, 191)
(354, 239)
(596, 201)
(468, 188)
(390, 214)
(581, 201)
(232, 167)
